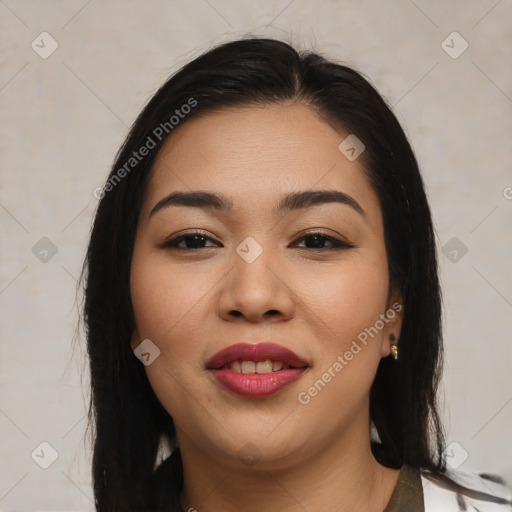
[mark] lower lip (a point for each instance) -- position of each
(257, 385)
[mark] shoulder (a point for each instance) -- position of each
(465, 491)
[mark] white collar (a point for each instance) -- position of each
(437, 498)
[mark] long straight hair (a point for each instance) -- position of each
(128, 422)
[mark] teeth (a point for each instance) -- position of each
(266, 366)
(248, 367)
(276, 365)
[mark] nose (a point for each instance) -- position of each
(255, 291)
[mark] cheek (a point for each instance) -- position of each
(165, 300)
(346, 305)
(346, 299)
(348, 357)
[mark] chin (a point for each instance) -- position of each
(257, 448)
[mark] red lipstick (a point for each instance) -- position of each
(281, 367)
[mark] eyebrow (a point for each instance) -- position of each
(293, 201)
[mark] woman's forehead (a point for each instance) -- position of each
(257, 149)
(293, 131)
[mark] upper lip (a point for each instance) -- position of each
(255, 352)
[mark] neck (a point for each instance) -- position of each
(344, 476)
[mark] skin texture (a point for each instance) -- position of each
(193, 303)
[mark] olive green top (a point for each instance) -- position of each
(408, 493)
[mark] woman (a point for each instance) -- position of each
(262, 300)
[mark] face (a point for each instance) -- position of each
(312, 279)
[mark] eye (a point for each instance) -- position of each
(192, 241)
(197, 239)
(318, 239)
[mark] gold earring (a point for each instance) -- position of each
(394, 348)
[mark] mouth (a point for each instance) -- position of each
(256, 370)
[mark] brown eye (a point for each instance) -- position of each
(319, 239)
(192, 241)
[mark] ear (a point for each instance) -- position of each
(393, 319)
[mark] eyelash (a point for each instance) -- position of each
(337, 244)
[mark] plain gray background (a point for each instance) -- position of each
(65, 114)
